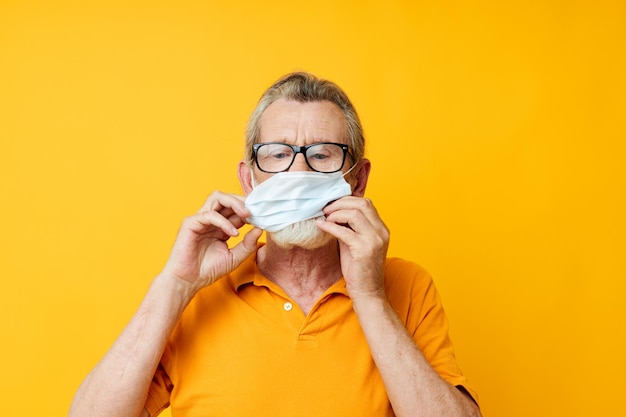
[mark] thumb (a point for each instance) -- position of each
(247, 246)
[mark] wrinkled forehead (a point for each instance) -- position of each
(303, 122)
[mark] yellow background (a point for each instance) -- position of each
(495, 129)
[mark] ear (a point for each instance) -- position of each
(361, 173)
(245, 177)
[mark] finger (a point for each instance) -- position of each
(352, 227)
(366, 244)
(235, 219)
(354, 219)
(350, 202)
(205, 221)
(247, 246)
(344, 202)
(364, 205)
(219, 201)
(232, 217)
(341, 232)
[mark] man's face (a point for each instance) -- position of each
(301, 124)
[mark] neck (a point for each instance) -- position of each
(303, 274)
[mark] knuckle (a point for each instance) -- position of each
(364, 203)
(215, 195)
(188, 222)
(189, 219)
(210, 201)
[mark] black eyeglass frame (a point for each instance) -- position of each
(301, 149)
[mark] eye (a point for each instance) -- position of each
(280, 153)
(319, 156)
(324, 152)
(275, 151)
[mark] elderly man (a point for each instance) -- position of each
(315, 322)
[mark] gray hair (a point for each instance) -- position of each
(304, 87)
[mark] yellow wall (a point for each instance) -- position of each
(496, 132)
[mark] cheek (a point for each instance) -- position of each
(352, 181)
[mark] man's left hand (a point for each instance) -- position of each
(363, 242)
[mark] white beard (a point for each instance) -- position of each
(304, 234)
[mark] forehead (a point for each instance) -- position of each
(297, 122)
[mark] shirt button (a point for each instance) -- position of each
(288, 306)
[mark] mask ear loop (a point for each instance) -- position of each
(252, 178)
(348, 171)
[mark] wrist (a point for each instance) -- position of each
(177, 291)
(370, 301)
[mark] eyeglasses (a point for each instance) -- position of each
(273, 157)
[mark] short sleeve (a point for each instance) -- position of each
(415, 298)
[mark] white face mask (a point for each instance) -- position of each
(291, 197)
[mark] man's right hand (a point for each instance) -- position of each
(201, 255)
(119, 384)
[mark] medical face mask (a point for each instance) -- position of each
(291, 197)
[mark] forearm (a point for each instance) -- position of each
(413, 386)
(118, 385)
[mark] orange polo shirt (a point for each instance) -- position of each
(244, 348)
